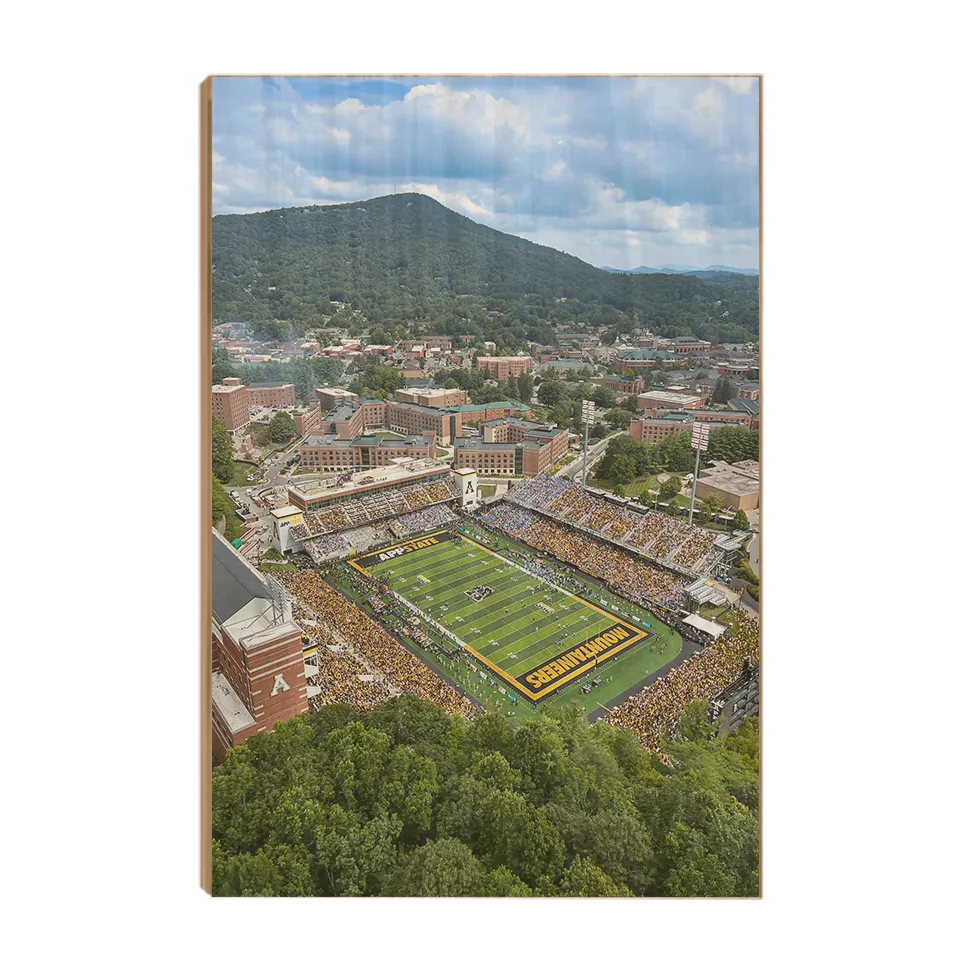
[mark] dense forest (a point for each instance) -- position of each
(406, 259)
(407, 801)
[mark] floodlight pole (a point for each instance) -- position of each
(586, 443)
(693, 489)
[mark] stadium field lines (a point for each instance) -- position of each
(534, 650)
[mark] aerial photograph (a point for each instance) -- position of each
(486, 418)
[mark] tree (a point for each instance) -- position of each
(733, 444)
(604, 397)
(525, 387)
(723, 391)
(618, 419)
(670, 488)
(584, 879)
(621, 469)
(222, 452)
(282, 427)
(441, 868)
(513, 388)
(676, 453)
(706, 514)
(619, 490)
(550, 393)
(713, 501)
(740, 520)
(645, 498)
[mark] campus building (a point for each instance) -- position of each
(328, 452)
(411, 418)
(685, 346)
(258, 675)
(476, 413)
(332, 397)
(736, 484)
(654, 429)
(500, 368)
(669, 400)
(511, 448)
(624, 386)
(430, 396)
(633, 360)
(272, 394)
(230, 404)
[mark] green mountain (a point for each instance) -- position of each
(408, 261)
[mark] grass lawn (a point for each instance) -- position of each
(508, 631)
(708, 610)
(240, 470)
(268, 567)
(488, 489)
(636, 487)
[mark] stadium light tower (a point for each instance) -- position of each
(701, 436)
(588, 412)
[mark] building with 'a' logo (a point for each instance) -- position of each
(258, 675)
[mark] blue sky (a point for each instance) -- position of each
(618, 171)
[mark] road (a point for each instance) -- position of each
(575, 469)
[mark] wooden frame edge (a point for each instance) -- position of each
(206, 486)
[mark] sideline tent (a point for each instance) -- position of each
(705, 626)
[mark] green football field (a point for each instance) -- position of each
(533, 635)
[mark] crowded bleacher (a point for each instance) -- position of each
(337, 679)
(429, 518)
(627, 574)
(380, 504)
(340, 620)
(653, 713)
(667, 539)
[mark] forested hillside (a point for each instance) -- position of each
(407, 801)
(408, 259)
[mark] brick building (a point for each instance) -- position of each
(511, 449)
(669, 400)
(736, 484)
(411, 418)
(230, 404)
(272, 394)
(654, 429)
(633, 360)
(624, 386)
(258, 675)
(477, 413)
(500, 368)
(332, 397)
(329, 452)
(684, 346)
(430, 396)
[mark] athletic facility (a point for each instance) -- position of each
(534, 636)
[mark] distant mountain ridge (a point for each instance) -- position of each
(687, 270)
(407, 261)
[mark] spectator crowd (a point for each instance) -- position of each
(344, 622)
(658, 535)
(654, 712)
(626, 574)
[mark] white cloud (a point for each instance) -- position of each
(738, 84)
(609, 171)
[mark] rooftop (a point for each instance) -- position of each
(668, 395)
(229, 705)
(281, 512)
(235, 582)
(268, 385)
(409, 470)
(493, 405)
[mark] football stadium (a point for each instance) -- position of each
(535, 635)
